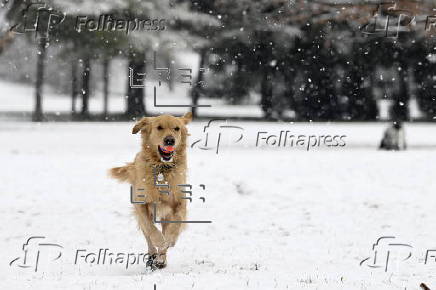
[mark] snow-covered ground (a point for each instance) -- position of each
(282, 218)
(19, 97)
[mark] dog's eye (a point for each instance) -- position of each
(177, 128)
(159, 127)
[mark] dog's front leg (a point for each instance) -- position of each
(171, 231)
(151, 248)
(153, 236)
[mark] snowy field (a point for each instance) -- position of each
(282, 218)
(18, 97)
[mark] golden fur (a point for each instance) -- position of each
(139, 173)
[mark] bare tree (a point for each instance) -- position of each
(86, 75)
(40, 68)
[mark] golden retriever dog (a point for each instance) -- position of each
(155, 175)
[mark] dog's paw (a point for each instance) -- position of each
(156, 261)
(150, 262)
(161, 261)
(159, 265)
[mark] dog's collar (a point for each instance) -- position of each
(159, 170)
(164, 167)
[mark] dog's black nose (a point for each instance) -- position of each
(169, 141)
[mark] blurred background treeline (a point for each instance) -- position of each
(286, 60)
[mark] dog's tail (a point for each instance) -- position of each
(124, 173)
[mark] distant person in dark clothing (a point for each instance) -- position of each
(394, 138)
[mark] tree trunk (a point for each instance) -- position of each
(105, 86)
(361, 105)
(73, 85)
(266, 93)
(85, 86)
(289, 77)
(369, 91)
(170, 80)
(135, 95)
(198, 84)
(400, 108)
(266, 86)
(40, 66)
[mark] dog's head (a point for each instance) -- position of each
(164, 136)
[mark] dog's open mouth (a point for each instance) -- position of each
(166, 153)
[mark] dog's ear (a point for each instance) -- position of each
(187, 118)
(141, 124)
